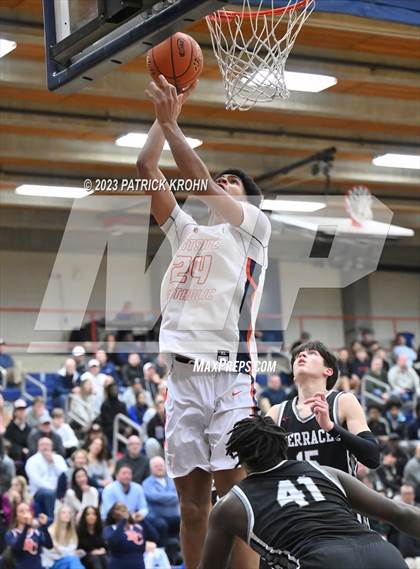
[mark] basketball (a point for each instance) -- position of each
(179, 59)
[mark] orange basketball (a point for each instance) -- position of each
(179, 58)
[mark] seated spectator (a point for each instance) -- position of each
(110, 408)
(162, 389)
(387, 474)
(79, 459)
(360, 364)
(124, 490)
(6, 360)
(401, 349)
(95, 432)
(97, 463)
(138, 463)
(129, 397)
(110, 348)
(107, 367)
(343, 360)
(44, 430)
(393, 444)
(368, 339)
(132, 370)
(303, 338)
(273, 394)
(91, 541)
(126, 538)
(44, 470)
(376, 423)
(7, 470)
(155, 558)
(99, 382)
(413, 427)
(64, 431)
(137, 411)
(156, 425)
(15, 495)
(403, 379)
(412, 472)
(5, 416)
(35, 412)
(151, 379)
(79, 356)
(409, 546)
(81, 494)
(162, 367)
(66, 380)
(162, 500)
(396, 419)
(28, 538)
(83, 402)
(381, 353)
(375, 373)
(17, 434)
(64, 553)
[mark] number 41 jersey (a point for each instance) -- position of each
(291, 508)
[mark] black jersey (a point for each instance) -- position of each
(307, 441)
(293, 507)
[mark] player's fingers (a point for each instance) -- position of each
(321, 395)
(189, 90)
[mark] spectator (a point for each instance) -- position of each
(35, 412)
(403, 379)
(109, 347)
(393, 445)
(155, 558)
(7, 470)
(43, 430)
(17, 433)
(344, 381)
(79, 459)
(135, 460)
(110, 408)
(413, 427)
(354, 347)
(66, 381)
(91, 541)
(156, 425)
(126, 538)
(137, 411)
(107, 367)
(374, 374)
(95, 432)
(401, 349)
(26, 541)
(368, 339)
(83, 403)
(79, 355)
(99, 382)
(409, 546)
(5, 416)
(361, 363)
(97, 463)
(376, 423)
(162, 389)
(274, 394)
(124, 490)
(81, 494)
(396, 419)
(162, 500)
(43, 470)
(6, 360)
(132, 370)
(64, 554)
(151, 379)
(303, 338)
(381, 353)
(64, 431)
(387, 474)
(15, 495)
(412, 472)
(129, 397)
(162, 367)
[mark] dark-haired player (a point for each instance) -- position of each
(209, 298)
(297, 514)
(324, 425)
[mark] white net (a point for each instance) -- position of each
(359, 205)
(251, 47)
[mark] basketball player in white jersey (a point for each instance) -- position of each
(209, 298)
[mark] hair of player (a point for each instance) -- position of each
(251, 188)
(258, 443)
(329, 359)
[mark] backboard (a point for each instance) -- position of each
(87, 38)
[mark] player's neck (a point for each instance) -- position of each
(309, 387)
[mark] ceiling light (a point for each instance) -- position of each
(6, 46)
(295, 81)
(138, 140)
(398, 161)
(288, 205)
(51, 191)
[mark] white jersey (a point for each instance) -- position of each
(212, 289)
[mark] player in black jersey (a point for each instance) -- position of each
(324, 425)
(297, 514)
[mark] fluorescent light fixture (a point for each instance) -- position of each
(51, 191)
(398, 161)
(6, 46)
(291, 206)
(138, 140)
(295, 81)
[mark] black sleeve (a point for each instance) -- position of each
(364, 446)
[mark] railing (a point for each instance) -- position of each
(29, 379)
(71, 415)
(366, 395)
(118, 437)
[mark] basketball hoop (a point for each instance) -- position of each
(252, 47)
(359, 205)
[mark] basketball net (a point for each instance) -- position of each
(359, 205)
(252, 46)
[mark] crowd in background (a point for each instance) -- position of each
(73, 498)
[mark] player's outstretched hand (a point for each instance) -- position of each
(168, 103)
(319, 407)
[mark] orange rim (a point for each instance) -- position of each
(229, 14)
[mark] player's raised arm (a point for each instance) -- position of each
(362, 499)
(164, 96)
